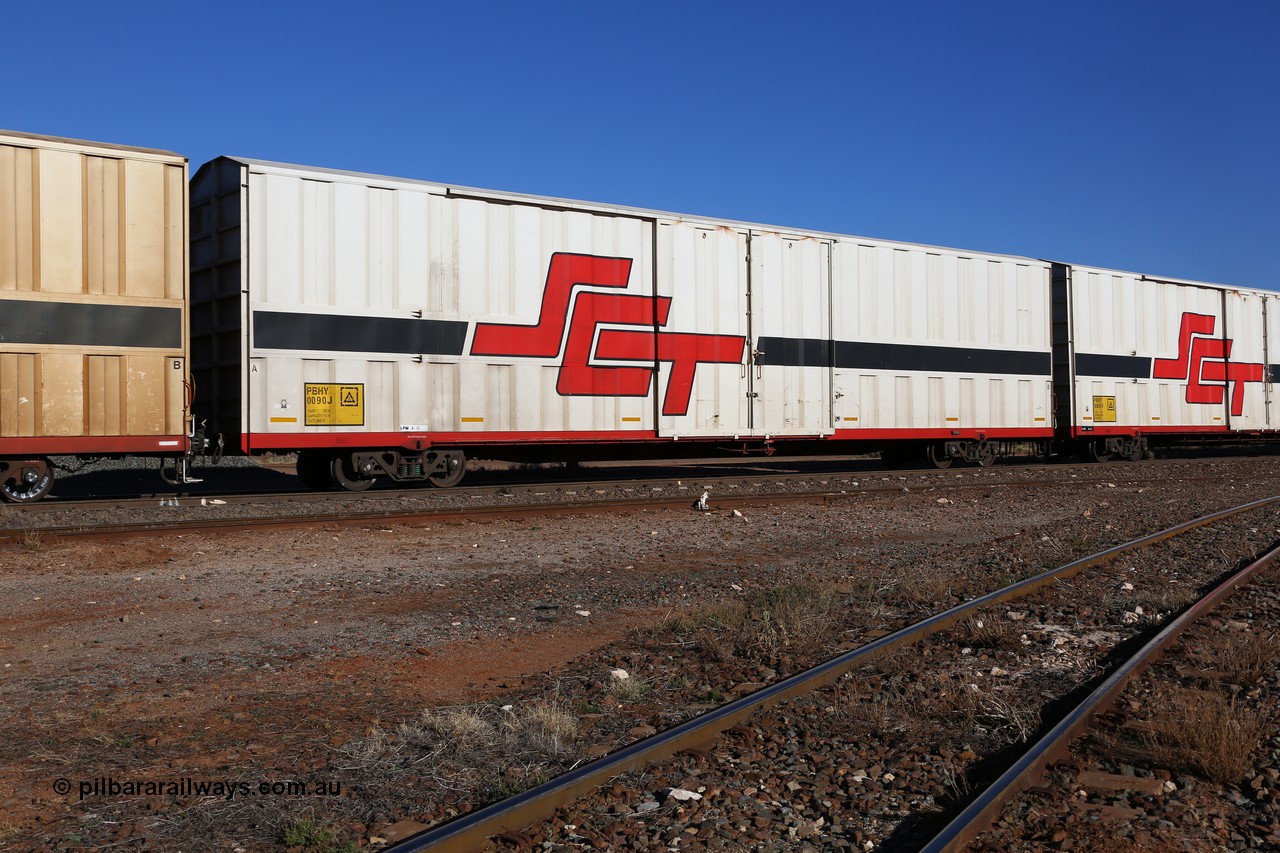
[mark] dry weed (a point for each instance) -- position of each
(989, 631)
(717, 632)
(926, 585)
(629, 689)
(1245, 658)
(943, 696)
(1000, 715)
(1165, 598)
(1206, 733)
(795, 619)
(481, 747)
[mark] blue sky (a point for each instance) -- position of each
(1137, 135)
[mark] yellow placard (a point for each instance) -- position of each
(335, 405)
(1104, 410)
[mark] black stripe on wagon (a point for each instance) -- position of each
(1123, 366)
(84, 324)
(1273, 372)
(861, 355)
(339, 333)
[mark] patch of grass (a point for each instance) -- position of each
(114, 740)
(905, 701)
(717, 633)
(32, 539)
(679, 681)
(311, 836)
(989, 631)
(478, 748)
(515, 780)
(1205, 733)
(629, 689)
(1164, 597)
(925, 584)
(799, 618)
(545, 728)
(1246, 657)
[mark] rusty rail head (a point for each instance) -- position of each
(416, 516)
(984, 810)
(468, 832)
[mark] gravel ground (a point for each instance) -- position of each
(884, 758)
(502, 485)
(1189, 760)
(312, 655)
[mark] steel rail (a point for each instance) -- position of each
(349, 519)
(143, 528)
(982, 812)
(468, 832)
(498, 485)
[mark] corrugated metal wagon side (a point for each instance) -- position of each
(942, 350)
(1146, 359)
(388, 327)
(381, 326)
(93, 290)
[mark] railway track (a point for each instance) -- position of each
(510, 816)
(702, 475)
(155, 514)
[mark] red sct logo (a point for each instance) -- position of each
(1202, 359)
(584, 311)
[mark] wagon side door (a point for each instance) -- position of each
(790, 293)
(1245, 369)
(703, 382)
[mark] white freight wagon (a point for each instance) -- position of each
(383, 326)
(1158, 358)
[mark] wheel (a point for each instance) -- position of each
(937, 455)
(27, 485)
(455, 463)
(986, 454)
(345, 474)
(1096, 450)
(315, 470)
(1135, 450)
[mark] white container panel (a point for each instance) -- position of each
(315, 258)
(443, 395)
(932, 340)
(703, 271)
(276, 217)
(1271, 307)
(1246, 370)
(1160, 349)
(790, 299)
(351, 247)
(337, 248)
(503, 255)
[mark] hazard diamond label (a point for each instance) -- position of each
(335, 405)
